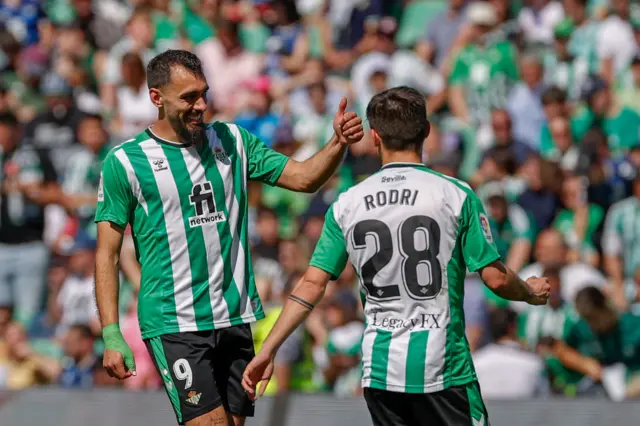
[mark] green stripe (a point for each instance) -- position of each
(477, 409)
(170, 386)
(242, 225)
(195, 239)
(229, 144)
(229, 289)
(157, 304)
(416, 359)
(380, 357)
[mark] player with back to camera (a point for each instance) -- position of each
(182, 186)
(411, 234)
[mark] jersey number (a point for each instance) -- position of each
(411, 257)
(182, 370)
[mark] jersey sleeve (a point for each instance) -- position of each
(265, 164)
(330, 254)
(478, 247)
(115, 199)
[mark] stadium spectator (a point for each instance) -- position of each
(28, 183)
(504, 369)
(524, 103)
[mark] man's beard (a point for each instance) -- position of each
(191, 135)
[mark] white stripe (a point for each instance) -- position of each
(176, 237)
(397, 365)
(434, 364)
(133, 179)
(243, 154)
(367, 351)
(215, 263)
(237, 251)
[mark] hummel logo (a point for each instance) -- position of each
(478, 422)
(193, 398)
(159, 165)
(380, 292)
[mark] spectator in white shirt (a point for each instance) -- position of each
(616, 41)
(504, 369)
(538, 20)
(551, 250)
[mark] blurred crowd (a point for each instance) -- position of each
(535, 103)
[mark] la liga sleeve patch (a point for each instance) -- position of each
(486, 228)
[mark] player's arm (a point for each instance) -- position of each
(328, 261)
(480, 255)
(115, 201)
(311, 174)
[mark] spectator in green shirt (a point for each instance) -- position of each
(578, 221)
(621, 124)
(602, 338)
(628, 87)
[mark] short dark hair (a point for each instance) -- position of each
(9, 119)
(159, 68)
(590, 300)
(504, 158)
(501, 321)
(554, 95)
(399, 116)
(83, 330)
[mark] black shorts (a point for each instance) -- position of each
(203, 370)
(456, 406)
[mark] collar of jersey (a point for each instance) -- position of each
(165, 141)
(401, 164)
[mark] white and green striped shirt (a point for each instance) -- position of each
(411, 234)
(621, 236)
(187, 207)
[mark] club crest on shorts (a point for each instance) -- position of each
(486, 228)
(193, 397)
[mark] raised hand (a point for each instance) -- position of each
(539, 289)
(347, 125)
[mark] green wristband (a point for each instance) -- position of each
(114, 341)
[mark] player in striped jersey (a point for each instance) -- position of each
(181, 185)
(411, 234)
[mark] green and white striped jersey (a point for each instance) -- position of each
(187, 207)
(411, 234)
(621, 236)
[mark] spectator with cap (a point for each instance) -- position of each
(621, 124)
(27, 185)
(525, 102)
(561, 68)
(483, 72)
(256, 116)
(54, 129)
